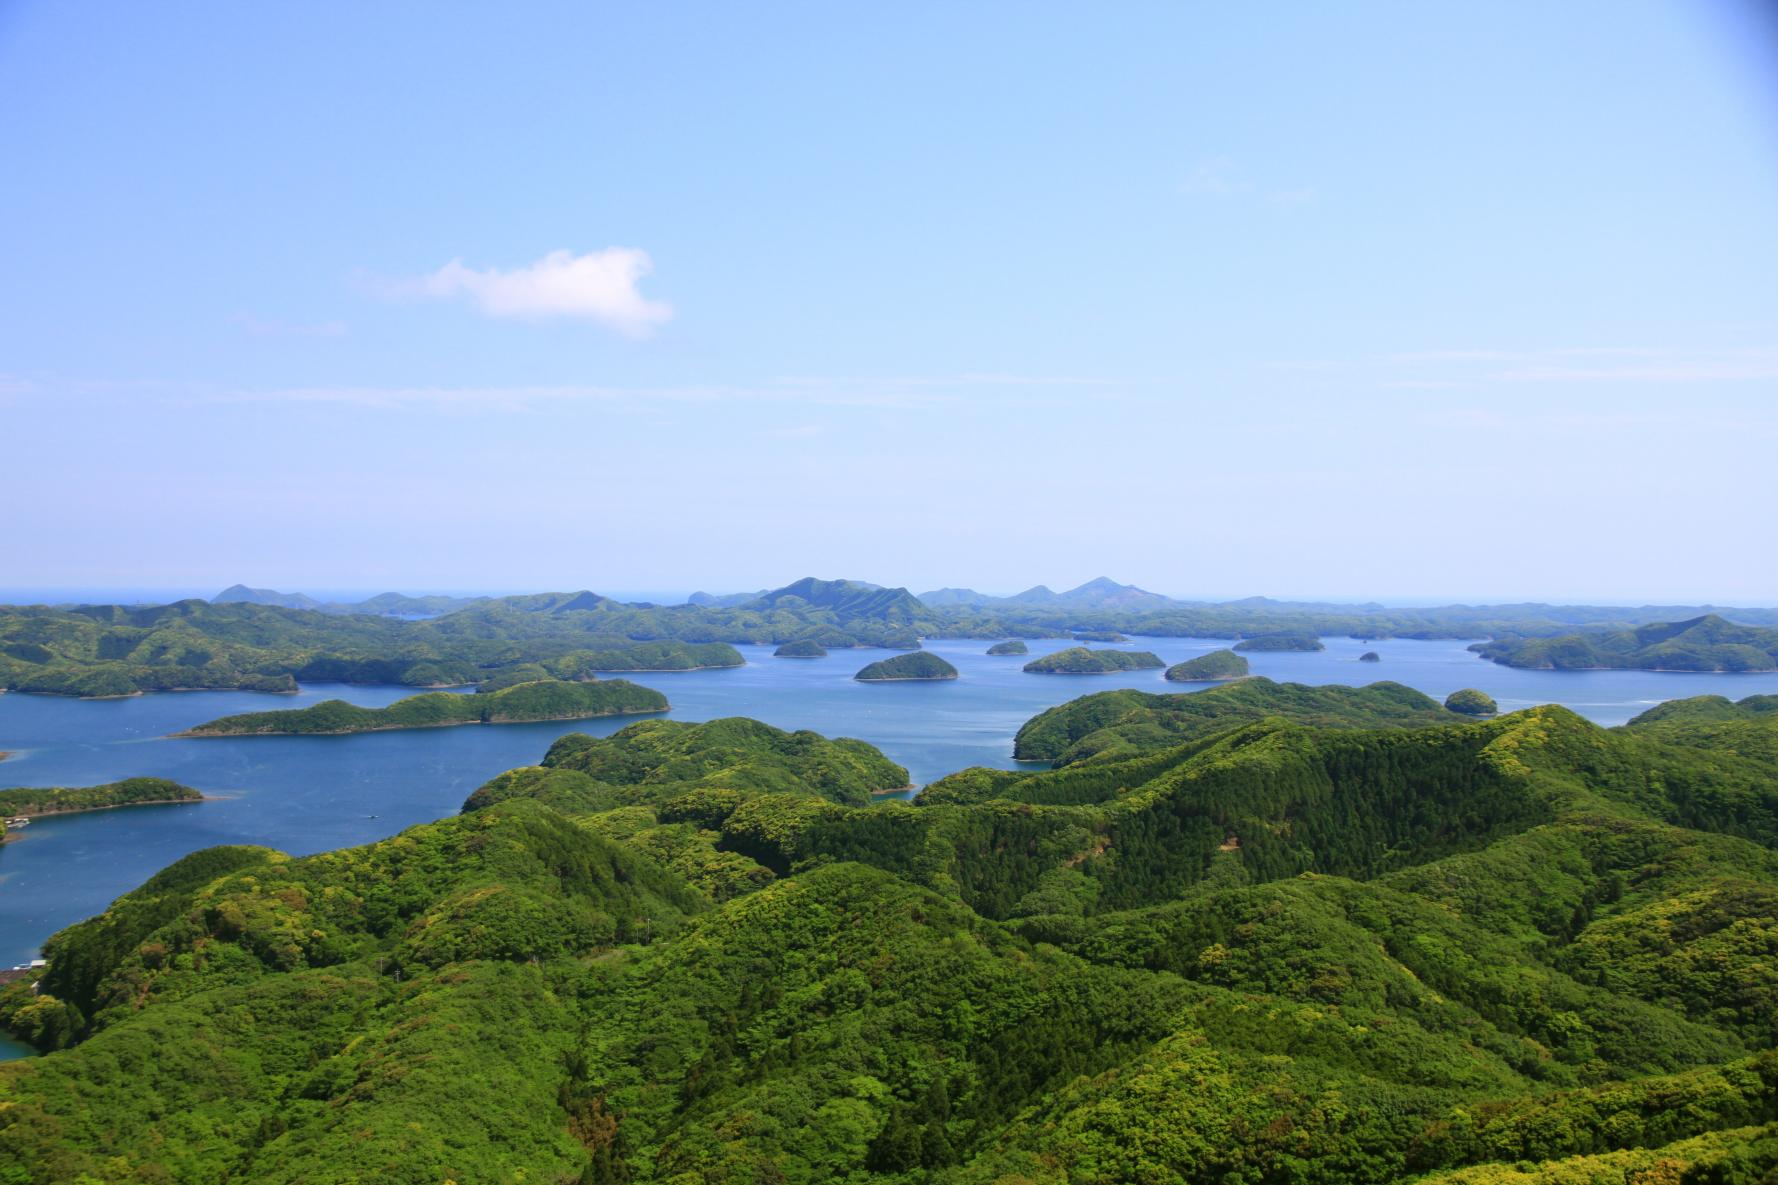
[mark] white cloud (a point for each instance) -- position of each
(599, 286)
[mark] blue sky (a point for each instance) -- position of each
(1396, 300)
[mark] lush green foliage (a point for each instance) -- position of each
(1000, 649)
(919, 665)
(1078, 660)
(1121, 723)
(1471, 702)
(1209, 668)
(1273, 934)
(542, 700)
(806, 648)
(129, 792)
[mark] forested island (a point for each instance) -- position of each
(1261, 932)
(30, 803)
(1209, 668)
(807, 648)
(1471, 702)
(260, 640)
(919, 665)
(521, 703)
(1370, 656)
(1078, 660)
(1281, 642)
(1001, 649)
(1708, 643)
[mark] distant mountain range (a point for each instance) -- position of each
(1099, 593)
(389, 604)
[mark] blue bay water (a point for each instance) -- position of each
(309, 794)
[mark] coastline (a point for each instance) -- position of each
(13, 836)
(909, 679)
(192, 734)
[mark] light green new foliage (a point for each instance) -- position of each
(1263, 933)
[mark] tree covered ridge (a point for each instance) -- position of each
(271, 643)
(544, 699)
(1299, 935)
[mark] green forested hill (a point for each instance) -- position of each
(919, 665)
(548, 699)
(1297, 935)
(1214, 667)
(1079, 660)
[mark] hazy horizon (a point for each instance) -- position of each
(137, 594)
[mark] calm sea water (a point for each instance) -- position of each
(309, 794)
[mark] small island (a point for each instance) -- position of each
(662, 656)
(921, 665)
(524, 703)
(807, 648)
(1016, 646)
(1370, 656)
(1099, 636)
(1078, 660)
(24, 803)
(1281, 641)
(1471, 702)
(1215, 667)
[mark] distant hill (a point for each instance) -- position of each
(241, 594)
(1707, 643)
(1100, 593)
(724, 600)
(389, 604)
(845, 599)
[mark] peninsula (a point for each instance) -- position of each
(33, 802)
(523, 703)
(919, 665)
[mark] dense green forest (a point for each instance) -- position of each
(1209, 668)
(921, 665)
(1015, 646)
(1273, 934)
(1078, 660)
(549, 699)
(1708, 643)
(30, 802)
(1471, 702)
(805, 648)
(262, 641)
(1289, 640)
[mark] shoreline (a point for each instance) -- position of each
(909, 679)
(194, 735)
(13, 836)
